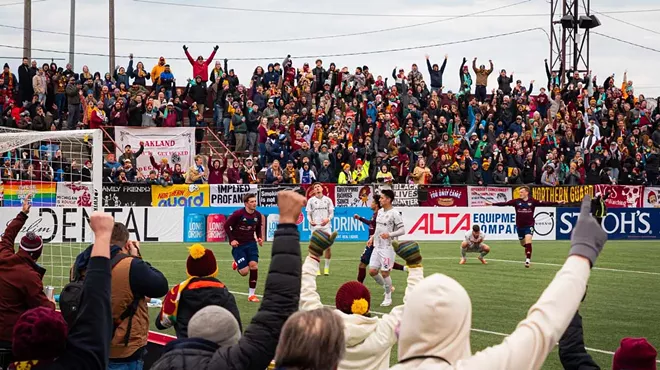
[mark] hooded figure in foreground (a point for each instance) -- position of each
(435, 326)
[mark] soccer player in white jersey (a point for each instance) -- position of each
(389, 225)
(320, 212)
(474, 243)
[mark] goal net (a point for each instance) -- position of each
(62, 171)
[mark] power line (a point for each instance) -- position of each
(481, 38)
(261, 41)
(300, 12)
(21, 3)
(626, 22)
(626, 42)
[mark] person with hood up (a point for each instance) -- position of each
(215, 340)
(201, 66)
(201, 289)
(156, 71)
(435, 326)
(369, 339)
(271, 76)
(20, 277)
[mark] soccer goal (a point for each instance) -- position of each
(62, 171)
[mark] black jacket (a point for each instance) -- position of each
(572, 354)
(436, 76)
(256, 348)
(211, 292)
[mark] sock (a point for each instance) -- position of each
(398, 266)
(379, 280)
(483, 254)
(362, 273)
(253, 280)
(327, 263)
(528, 250)
(464, 252)
(388, 285)
(251, 292)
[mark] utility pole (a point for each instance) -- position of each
(111, 35)
(72, 32)
(27, 29)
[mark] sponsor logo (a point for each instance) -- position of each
(544, 223)
(635, 222)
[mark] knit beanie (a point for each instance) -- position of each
(201, 262)
(353, 298)
(39, 334)
(32, 244)
(634, 354)
(6, 65)
(215, 324)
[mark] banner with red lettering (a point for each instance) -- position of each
(176, 144)
(479, 196)
(445, 196)
(71, 194)
(651, 197)
(622, 196)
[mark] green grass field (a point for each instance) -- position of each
(624, 288)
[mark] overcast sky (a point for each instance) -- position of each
(522, 53)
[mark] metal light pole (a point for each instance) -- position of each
(111, 35)
(72, 32)
(27, 29)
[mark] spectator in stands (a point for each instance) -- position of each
(40, 335)
(201, 289)
(201, 66)
(546, 322)
(20, 278)
(130, 155)
(133, 281)
(215, 340)
(234, 172)
(304, 333)
(73, 95)
(217, 169)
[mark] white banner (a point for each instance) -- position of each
(651, 197)
(499, 223)
(71, 225)
(74, 194)
(405, 195)
(230, 195)
(177, 144)
(478, 196)
(353, 196)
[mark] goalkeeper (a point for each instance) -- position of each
(369, 339)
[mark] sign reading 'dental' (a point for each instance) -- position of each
(71, 225)
(619, 223)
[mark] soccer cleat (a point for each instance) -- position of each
(483, 260)
(253, 298)
(234, 265)
(387, 301)
(462, 261)
(528, 263)
(318, 272)
(326, 271)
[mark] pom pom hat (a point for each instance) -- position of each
(353, 298)
(39, 334)
(201, 262)
(32, 244)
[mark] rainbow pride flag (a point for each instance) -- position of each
(44, 194)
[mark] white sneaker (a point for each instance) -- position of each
(387, 301)
(528, 263)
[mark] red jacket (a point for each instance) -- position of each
(201, 69)
(20, 280)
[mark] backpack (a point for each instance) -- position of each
(71, 295)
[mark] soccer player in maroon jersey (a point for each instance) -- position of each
(525, 206)
(366, 255)
(242, 227)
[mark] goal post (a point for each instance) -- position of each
(63, 172)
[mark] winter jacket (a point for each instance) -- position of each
(572, 354)
(435, 326)
(369, 340)
(20, 280)
(156, 71)
(200, 69)
(436, 76)
(199, 293)
(140, 77)
(482, 74)
(72, 94)
(256, 348)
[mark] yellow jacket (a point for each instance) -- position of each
(156, 71)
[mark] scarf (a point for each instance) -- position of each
(292, 175)
(30, 365)
(9, 80)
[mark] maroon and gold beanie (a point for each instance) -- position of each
(201, 262)
(353, 298)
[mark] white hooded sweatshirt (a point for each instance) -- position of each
(369, 340)
(435, 326)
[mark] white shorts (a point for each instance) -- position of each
(474, 247)
(325, 228)
(382, 259)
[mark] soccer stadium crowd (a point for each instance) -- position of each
(296, 123)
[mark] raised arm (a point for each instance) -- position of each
(14, 227)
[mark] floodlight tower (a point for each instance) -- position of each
(569, 49)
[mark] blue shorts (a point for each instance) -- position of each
(366, 255)
(244, 254)
(522, 231)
